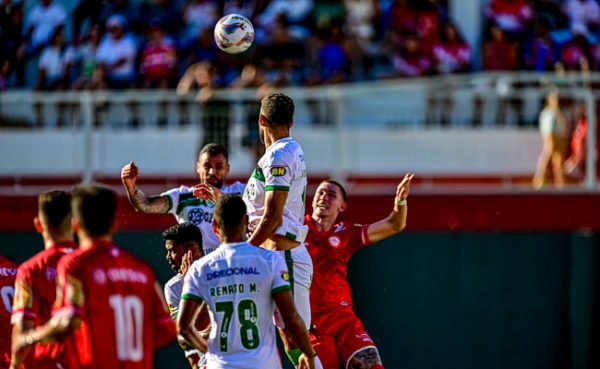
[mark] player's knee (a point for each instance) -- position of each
(366, 359)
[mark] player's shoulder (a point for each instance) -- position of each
(174, 281)
(236, 188)
(182, 190)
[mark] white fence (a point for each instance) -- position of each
(472, 125)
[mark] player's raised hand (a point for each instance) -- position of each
(186, 262)
(205, 191)
(404, 187)
(305, 362)
(129, 174)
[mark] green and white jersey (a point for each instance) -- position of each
(237, 282)
(282, 167)
(187, 208)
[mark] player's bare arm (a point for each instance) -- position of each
(272, 218)
(188, 312)
(295, 327)
(52, 331)
(138, 199)
(20, 329)
(396, 221)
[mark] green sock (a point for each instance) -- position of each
(293, 355)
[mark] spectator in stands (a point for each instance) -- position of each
(582, 14)
(199, 15)
(158, 64)
(500, 53)
(361, 19)
(115, 60)
(43, 19)
(539, 54)
(402, 19)
(82, 57)
(128, 9)
(328, 13)
(513, 16)
(53, 73)
(215, 114)
(333, 64)
(295, 12)
(86, 9)
(165, 11)
(410, 60)
(247, 8)
(576, 54)
(553, 128)
(11, 40)
(451, 54)
(282, 57)
(201, 48)
(430, 18)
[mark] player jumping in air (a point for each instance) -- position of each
(35, 286)
(212, 168)
(107, 300)
(183, 243)
(339, 333)
(275, 197)
(241, 284)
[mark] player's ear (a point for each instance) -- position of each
(261, 120)
(215, 228)
(37, 223)
(114, 227)
(343, 207)
(75, 224)
(291, 123)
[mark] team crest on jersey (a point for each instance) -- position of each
(50, 273)
(334, 241)
(278, 171)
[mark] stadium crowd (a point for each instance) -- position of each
(120, 44)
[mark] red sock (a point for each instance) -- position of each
(377, 366)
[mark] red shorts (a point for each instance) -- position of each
(338, 336)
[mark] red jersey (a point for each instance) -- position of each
(124, 317)
(35, 292)
(330, 252)
(8, 271)
(159, 60)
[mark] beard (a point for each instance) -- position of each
(214, 181)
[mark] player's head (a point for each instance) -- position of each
(54, 212)
(329, 200)
(94, 210)
(213, 164)
(230, 219)
(179, 239)
(276, 111)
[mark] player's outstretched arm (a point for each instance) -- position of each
(272, 218)
(295, 326)
(139, 200)
(396, 221)
(188, 312)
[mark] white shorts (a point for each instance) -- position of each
(202, 357)
(300, 269)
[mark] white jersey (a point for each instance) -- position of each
(237, 281)
(187, 208)
(282, 167)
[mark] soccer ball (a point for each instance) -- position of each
(234, 33)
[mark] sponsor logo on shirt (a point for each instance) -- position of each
(277, 171)
(120, 275)
(231, 271)
(7, 272)
(198, 215)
